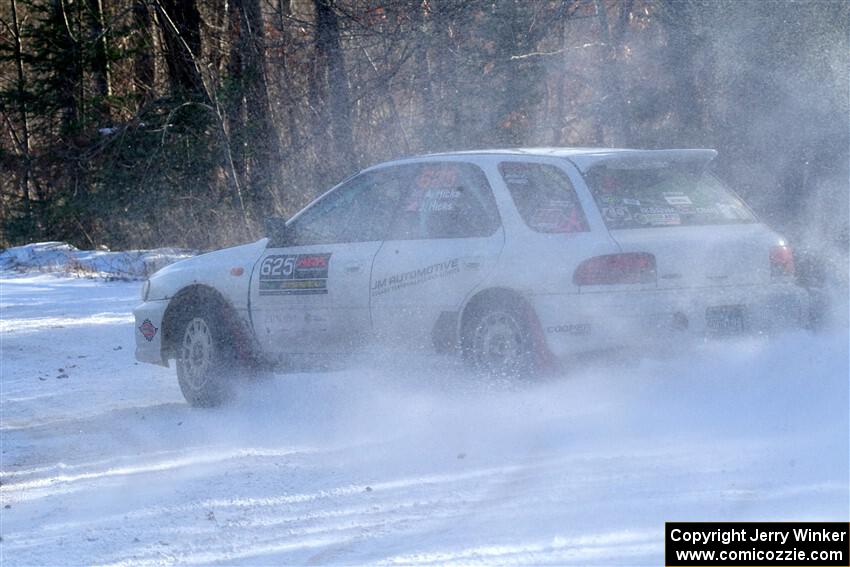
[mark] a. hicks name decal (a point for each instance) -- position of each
(415, 277)
(294, 274)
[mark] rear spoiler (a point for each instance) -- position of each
(642, 159)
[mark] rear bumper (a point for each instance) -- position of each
(148, 331)
(576, 323)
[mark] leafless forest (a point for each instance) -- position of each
(139, 123)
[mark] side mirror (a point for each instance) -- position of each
(279, 234)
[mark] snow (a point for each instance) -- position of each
(62, 258)
(401, 461)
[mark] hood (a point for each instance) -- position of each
(205, 269)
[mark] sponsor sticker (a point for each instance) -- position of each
(294, 274)
(659, 216)
(577, 329)
(677, 199)
(557, 217)
(148, 330)
(616, 213)
(415, 277)
(662, 219)
(437, 177)
(515, 178)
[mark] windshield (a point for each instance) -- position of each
(663, 194)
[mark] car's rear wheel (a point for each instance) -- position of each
(204, 361)
(497, 342)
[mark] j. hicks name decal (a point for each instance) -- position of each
(295, 274)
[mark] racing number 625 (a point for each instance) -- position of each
(277, 266)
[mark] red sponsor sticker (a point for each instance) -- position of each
(437, 177)
(312, 262)
(148, 330)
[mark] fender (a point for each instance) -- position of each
(227, 271)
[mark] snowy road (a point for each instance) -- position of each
(406, 462)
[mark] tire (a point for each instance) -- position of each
(205, 361)
(497, 342)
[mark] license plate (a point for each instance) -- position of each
(725, 321)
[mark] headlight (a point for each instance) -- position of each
(146, 287)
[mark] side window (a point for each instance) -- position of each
(358, 211)
(544, 197)
(445, 200)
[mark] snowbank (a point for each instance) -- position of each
(63, 258)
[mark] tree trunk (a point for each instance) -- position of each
(427, 79)
(284, 11)
(682, 48)
(144, 64)
(24, 178)
(68, 82)
(249, 112)
(329, 51)
(100, 62)
(615, 110)
(234, 103)
(181, 26)
(558, 88)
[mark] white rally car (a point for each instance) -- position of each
(517, 259)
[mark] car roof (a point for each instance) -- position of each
(582, 157)
(542, 151)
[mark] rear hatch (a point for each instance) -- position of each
(704, 256)
(667, 204)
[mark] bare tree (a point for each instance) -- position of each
(249, 113)
(100, 61)
(22, 142)
(181, 26)
(329, 55)
(144, 62)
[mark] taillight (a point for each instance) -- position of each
(612, 269)
(781, 261)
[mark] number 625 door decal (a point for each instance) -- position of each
(294, 274)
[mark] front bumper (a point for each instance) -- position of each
(148, 331)
(577, 323)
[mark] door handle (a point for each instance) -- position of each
(352, 268)
(472, 262)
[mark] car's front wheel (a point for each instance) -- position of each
(498, 342)
(203, 361)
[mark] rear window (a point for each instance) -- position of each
(663, 195)
(544, 197)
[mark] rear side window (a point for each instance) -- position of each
(663, 194)
(544, 197)
(444, 200)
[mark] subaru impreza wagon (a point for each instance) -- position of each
(514, 259)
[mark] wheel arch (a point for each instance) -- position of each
(506, 296)
(190, 298)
